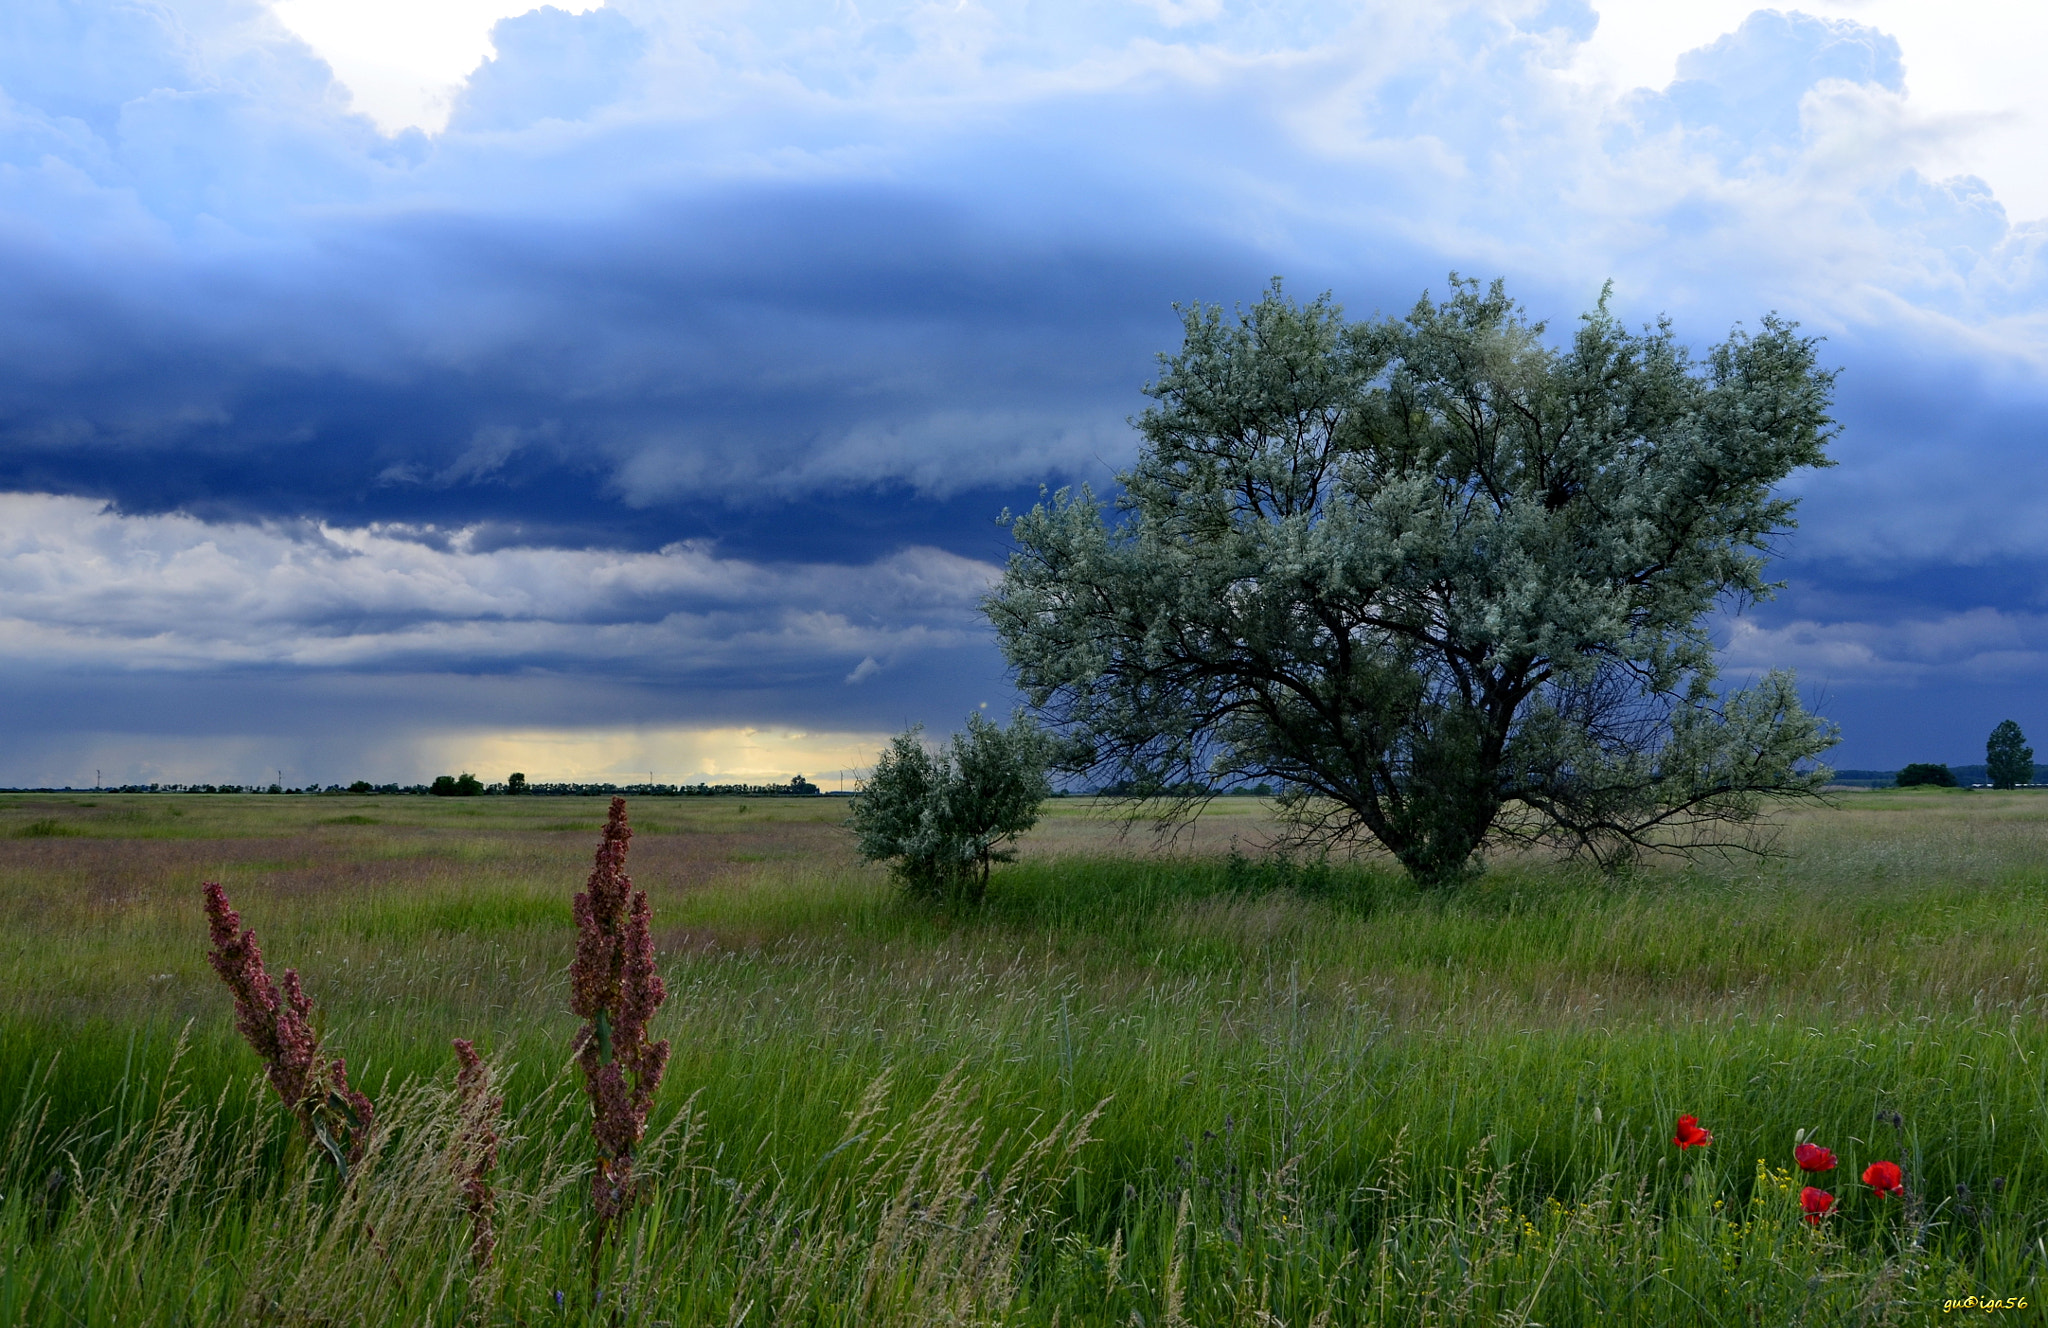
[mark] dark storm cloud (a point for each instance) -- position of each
(760, 303)
(766, 345)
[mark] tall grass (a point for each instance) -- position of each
(189, 1216)
(1307, 1092)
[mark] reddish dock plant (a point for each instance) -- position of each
(476, 1149)
(335, 1118)
(614, 988)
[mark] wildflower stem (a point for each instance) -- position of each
(615, 990)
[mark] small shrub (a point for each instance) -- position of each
(1309, 877)
(941, 818)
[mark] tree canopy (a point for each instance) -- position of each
(1440, 580)
(2008, 761)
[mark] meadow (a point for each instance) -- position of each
(1146, 1084)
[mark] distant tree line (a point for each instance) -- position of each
(468, 785)
(797, 787)
(2008, 763)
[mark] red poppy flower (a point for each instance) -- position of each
(1816, 1203)
(1690, 1135)
(1885, 1178)
(1812, 1157)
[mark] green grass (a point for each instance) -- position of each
(46, 828)
(1323, 1094)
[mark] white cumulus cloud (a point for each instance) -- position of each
(79, 583)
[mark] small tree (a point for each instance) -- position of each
(940, 819)
(1926, 774)
(2008, 761)
(448, 786)
(515, 782)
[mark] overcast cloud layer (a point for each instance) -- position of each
(678, 381)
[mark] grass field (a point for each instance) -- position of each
(1142, 1086)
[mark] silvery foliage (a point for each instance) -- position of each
(1445, 583)
(940, 818)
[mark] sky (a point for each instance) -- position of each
(389, 389)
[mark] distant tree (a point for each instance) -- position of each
(515, 782)
(361, 786)
(941, 818)
(1926, 773)
(448, 786)
(1439, 578)
(2008, 761)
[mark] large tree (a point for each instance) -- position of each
(1440, 579)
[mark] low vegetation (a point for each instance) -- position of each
(941, 819)
(1142, 1083)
